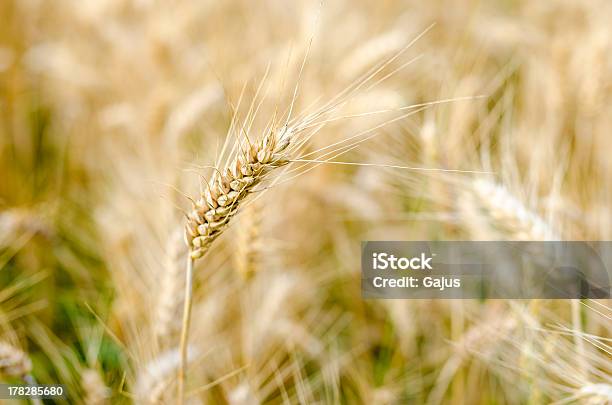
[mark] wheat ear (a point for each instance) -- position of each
(224, 194)
(170, 295)
(96, 391)
(14, 362)
(227, 189)
(521, 223)
(511, 214)
(154, 378)
(597, 393)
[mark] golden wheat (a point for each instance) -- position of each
(96, 391)
(224, 194)
(14, 362)
(507, 213)
(228, 188)
(167, 310)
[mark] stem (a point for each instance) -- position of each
(457, 331)
(185, 330)
(535, 394)
(577, 326)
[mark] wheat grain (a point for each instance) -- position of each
(228, 188)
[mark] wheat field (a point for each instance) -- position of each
(185, 186)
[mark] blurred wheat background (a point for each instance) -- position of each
(113, 114)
